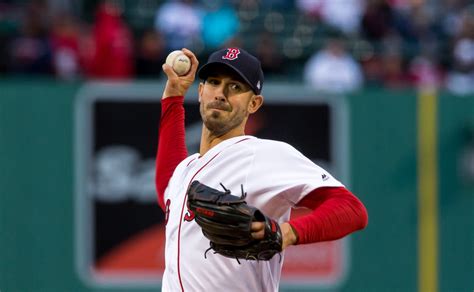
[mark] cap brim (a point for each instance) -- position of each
(205, 70)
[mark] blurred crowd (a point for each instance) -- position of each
(333, 45)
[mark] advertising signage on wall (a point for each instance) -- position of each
(120, 227)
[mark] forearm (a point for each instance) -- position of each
(171, 143)
(336, 213)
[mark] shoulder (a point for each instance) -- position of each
(273, 148)
(267, 144)
(185, 162)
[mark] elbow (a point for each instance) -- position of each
(160, 198)
(160, 193)
(363, 216)
(359, 215)
(365, 219)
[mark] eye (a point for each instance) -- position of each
(235, 87)
(212, 81)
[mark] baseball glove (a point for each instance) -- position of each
(226, 221)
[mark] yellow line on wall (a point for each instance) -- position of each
(427, 192)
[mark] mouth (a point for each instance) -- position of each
(219, 107)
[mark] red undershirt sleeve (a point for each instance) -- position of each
(336, 213)
(171, 143)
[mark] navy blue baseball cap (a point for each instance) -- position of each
(243, 63)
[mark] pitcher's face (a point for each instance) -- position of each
(225, 102)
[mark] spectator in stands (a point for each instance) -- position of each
(425, 72)
(9, 22)
(461, 78)
(394, 74)
(342, 15)
(452, 16)
(333, 69)
(372, 66)
(151, 55)
(65, 46)
(30, 52)
(269, 54)
(112, 57)
(220, 24)
(275, 4)
(234, 42)
(180, 22)
(377, 20)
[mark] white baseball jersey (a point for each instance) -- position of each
(275, 177)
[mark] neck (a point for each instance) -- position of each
(209, 139)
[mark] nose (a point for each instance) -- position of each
(220, 98)
(220, 94)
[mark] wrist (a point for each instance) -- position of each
(172, 97)
(173, 90)
(167, 94)
(290, 237)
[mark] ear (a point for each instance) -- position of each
(255, 103)
(200, 90)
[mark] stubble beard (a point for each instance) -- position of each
(217, 124)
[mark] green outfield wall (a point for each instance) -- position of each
(37, 230)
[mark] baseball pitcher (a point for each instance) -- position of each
(228, 207)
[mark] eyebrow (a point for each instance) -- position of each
(223, 76)
(232, 78)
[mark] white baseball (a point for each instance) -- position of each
(179, 62)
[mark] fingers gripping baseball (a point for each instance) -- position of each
(177, 85)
